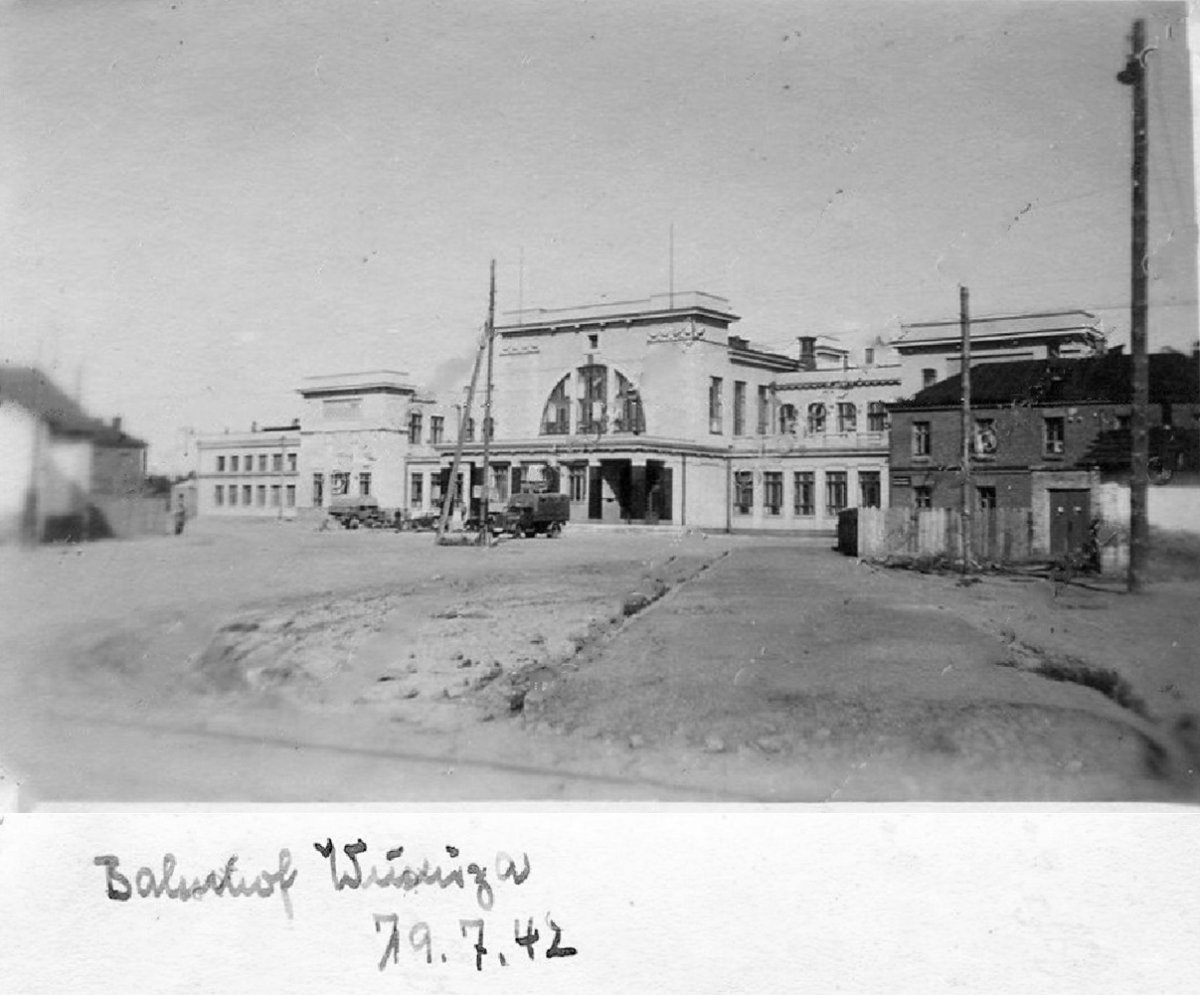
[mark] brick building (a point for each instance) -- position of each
(1044, 435)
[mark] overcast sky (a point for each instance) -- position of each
(205, 202)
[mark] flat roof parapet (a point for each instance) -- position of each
(692, 301)
(392, 381)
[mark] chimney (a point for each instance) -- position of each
(116, 423)
(808, 352)
(254, 426)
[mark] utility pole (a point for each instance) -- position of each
(485, 533)
(1134, 74)
(964, 320)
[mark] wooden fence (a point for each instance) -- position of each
(1002, 535)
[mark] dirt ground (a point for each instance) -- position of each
(271, 662)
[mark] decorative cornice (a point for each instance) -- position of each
(520, 349)
(838, 384)
(690, 332)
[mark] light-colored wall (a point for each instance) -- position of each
(18, 444)
(241, 445)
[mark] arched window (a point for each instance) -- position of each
(847, 417)
(787, 419)
(556, 419)
(816, 418)
(594, 415)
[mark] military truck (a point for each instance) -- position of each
(533, 514)
(354, 512)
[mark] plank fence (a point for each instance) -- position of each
(1001, 535)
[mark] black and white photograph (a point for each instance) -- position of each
(762, 404)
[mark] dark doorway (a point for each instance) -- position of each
(1070, 520)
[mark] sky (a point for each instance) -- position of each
(202, 203)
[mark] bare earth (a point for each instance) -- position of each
(268, 662)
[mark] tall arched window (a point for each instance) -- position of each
(847, 417)
(787, 419)
(816, 418)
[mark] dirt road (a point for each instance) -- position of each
(265, 662)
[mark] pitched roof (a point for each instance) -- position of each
(41, 396)
(1107, 379)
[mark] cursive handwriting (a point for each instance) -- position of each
(409, 878)
(219, 883)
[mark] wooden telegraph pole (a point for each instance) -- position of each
(964, 320)
(485, 531)
(1134, 74)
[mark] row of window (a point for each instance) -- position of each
(804, 491)
(339, 486)
(245, 464)
(252, 495)
(817, 414)
(985, 441)
(437, 429)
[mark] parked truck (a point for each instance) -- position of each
(533, 514)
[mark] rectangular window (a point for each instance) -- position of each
(416, 490)
(870, 493)
(739, 407)
(318, 484)
(835, 491)
(847, 415)
(928, 377)
(716, 413)
(233, 492)
(248, 463)
(593, 400)
(923, 496)
(804, 500)
(983, 442)
(987, 498)
(233, 464)
(1054, 436)
(262, 495)
(220, 464)
(436, 428)
(469, 430)
(290, 495)
(277, 462)
(743, 492)
(877, 417)
(764, 411)
(291, 462)
(262, 462)
(773, 492)
(276, 495)
(219, 495)
(921, 438)
(364, 484)
(247, 495)
(414, 428)
(578, 483)
(500, 480)
(339, 484)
